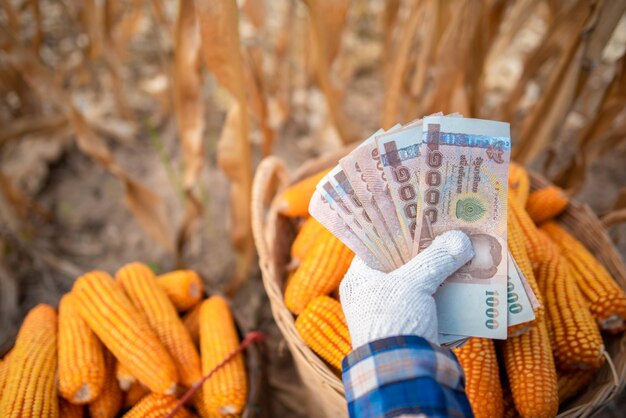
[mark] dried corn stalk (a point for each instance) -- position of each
(188, 108)
(219, 29)
(327, 21)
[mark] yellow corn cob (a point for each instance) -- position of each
(136, 393)
(156, 406)
(507, 400)
(320, 273)
(124, 331)
(519, 183)
(535, 246)
(517, 247)
(198, 403)
(139, 283)
(482, 377)
(574, 335)
(111, 398)
(531, 373)
(30, 388)
(4, 371)
(124, 377)
(606, 299)
(226, 391)
(183, 287)
(190, 321)
(546, 203)
(322, 326)
(70, 410)
(81, 362)
(570, 384)
(308, 234)
(294, 201)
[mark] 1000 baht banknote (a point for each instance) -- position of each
(464, 186)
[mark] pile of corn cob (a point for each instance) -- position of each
(121, 345)
(542, 364)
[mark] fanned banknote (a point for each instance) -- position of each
(399, 152)
(320, 209)
(371, 186)
(520, 306)
(392, 195)
(357, 218)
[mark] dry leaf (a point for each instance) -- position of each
(609, 100)
(426, 47)
(91, 15)
(326, 29)
(188, 104)
(111, 55)
(281, 83)
(547, 116)
(11, 14)
(399, 67)
(458, 36)
(258, 102)
(609, 16)
(38, 39)
(31, 124)
(255, 9)
(189, 109)
(219, 29)
(559, 44)
(329, 16)
(125, 29)
(160, 14)
(229, 153)
(390, 16)
(519, 14)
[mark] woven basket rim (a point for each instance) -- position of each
(578, 218)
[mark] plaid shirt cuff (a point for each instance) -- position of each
(404, 376)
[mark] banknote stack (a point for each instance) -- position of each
(399, 189)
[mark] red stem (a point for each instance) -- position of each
(251, 337)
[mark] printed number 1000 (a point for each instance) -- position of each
(492, 313)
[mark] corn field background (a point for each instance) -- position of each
(130, 129)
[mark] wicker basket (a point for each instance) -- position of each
(273, 235)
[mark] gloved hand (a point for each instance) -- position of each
(379, 305)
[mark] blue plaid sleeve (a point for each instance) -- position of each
(404, 376)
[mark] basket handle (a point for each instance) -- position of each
(613, 218)
(270, 169)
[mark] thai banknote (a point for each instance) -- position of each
(339, 180)
(519, 305)
(452, 340)
(520, 309)
(369, 183)
(330, 194)
(401, 164)
(320, 209)
(352, 168)
(463, 185)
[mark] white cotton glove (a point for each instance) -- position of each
(379, 305)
